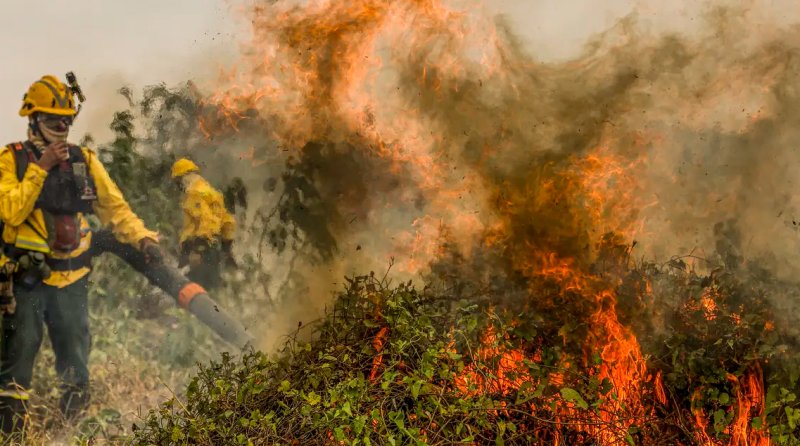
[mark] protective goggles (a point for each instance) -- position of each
(55, 121)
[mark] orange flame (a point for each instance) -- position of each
(709, 304)
(661, 395)
(377, 361)
(749, 404)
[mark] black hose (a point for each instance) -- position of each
(170, 279)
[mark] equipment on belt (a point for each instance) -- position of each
(24, 269)
(32, 270)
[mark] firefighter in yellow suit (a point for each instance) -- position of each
(206, 239)
(47, 189)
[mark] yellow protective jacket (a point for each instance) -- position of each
(25, 225)
(204, 213)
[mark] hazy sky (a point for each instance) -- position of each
(107, 44)
(112, 43)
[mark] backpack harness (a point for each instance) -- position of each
(67, 190)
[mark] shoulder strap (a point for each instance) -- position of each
(76, 155)
(21, 159)
(23, 155)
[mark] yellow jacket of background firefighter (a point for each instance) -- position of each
(25, 224)
(204, 213)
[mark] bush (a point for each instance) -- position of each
(402, 366)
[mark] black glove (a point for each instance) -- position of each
(152, 252)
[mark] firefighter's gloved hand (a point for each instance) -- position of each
(53, 154)
(152, 251)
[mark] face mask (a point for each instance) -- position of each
(54, 128)
(185, 181)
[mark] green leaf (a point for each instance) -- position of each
(629, 439)
(359, 423)
(724, 398)
(109, 414)
(415, 388)
(346, 408)
(313, 399)
(177, 434)
(719, 420)
(338, 433)
(573, 396)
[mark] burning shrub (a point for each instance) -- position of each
(398, 365)
(727, 366)
(388, 366)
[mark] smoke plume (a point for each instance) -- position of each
(379, 133)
